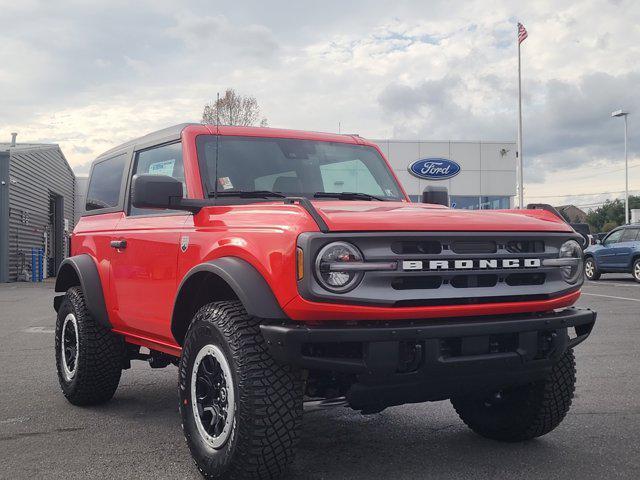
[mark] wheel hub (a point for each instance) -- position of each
(212, 397)
(69, 347)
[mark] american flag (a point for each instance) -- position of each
(522, 33)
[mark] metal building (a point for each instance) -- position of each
(37, 188)
(485, 176)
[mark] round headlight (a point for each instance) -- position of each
(572, 273)
(328, 267)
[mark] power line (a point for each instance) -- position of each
(582, 177)
(580, 194)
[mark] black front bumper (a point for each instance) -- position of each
(401, 362)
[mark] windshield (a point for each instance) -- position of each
(294, 167)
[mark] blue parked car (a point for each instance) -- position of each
(619, 251)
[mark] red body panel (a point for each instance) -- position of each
(304, 310)
(140, 283)
(398, 216)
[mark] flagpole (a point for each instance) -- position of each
(519, 146)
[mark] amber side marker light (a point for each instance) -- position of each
(300, 263)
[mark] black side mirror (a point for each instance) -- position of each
(162, 192)
(436, 195)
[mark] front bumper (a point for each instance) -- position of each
(415, 361)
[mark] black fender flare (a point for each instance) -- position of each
(246, 282)
(82, 270)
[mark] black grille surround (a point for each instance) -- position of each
(425, 287)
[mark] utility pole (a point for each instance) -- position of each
(622, 113)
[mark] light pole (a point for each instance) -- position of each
(622, 113)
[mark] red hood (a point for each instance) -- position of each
(400, 216)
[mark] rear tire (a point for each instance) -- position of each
(590, 269)
(636, 270)
(521, 413)
(88, 356)
(241, 411)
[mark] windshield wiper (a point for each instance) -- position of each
(247, 194)
(347, 196)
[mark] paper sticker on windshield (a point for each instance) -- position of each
(225, 183)
(162, 168)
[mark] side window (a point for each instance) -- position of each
(613, 238)
(164, 160)
(105, 183)
(629, 235)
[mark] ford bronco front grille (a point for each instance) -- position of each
(444, 268)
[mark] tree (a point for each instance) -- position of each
(233, 109)
(610, 214)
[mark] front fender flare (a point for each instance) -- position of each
(82, 270)
(246, 282)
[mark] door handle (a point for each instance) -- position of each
(119, 244)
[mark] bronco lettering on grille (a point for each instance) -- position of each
(478, 264)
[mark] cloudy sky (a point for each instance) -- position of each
(91, 74)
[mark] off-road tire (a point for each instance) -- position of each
(635, 270)
(590, 266)
(268, 397)
(99, 357)
(524, 412)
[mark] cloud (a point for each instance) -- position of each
(89, 75)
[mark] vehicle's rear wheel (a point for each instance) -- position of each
(88, 356)
(590, 269)
(524, 412)
(241, 411)
(636, 270)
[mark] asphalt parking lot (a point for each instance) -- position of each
(138, 434)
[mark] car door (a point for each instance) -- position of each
(625, 248)
(146, 245)
(605, 256)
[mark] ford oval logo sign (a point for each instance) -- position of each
(434, 168)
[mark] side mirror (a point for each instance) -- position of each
(598, 241)
(436, 195)
(162, 192)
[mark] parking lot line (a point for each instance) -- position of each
(612, 297)
(605, 284)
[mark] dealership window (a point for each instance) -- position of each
(465, 202)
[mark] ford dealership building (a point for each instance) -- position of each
(478, 175)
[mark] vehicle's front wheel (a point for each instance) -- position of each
(524, 412)
(89, 356)
(590, 269)
(241, 411)
(636, 270)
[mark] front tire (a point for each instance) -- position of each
(521, 413)
(636, 270)
(241, 411)
(590, 269)
(88, 356)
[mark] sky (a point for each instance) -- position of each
(89, 75)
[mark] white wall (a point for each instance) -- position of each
(484, 170)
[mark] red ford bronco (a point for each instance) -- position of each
(275, 267)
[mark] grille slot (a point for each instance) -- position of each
(472, 281)
(525, 246)
(475, 246)
(520, 279)
(417, 283)
(416, 247)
